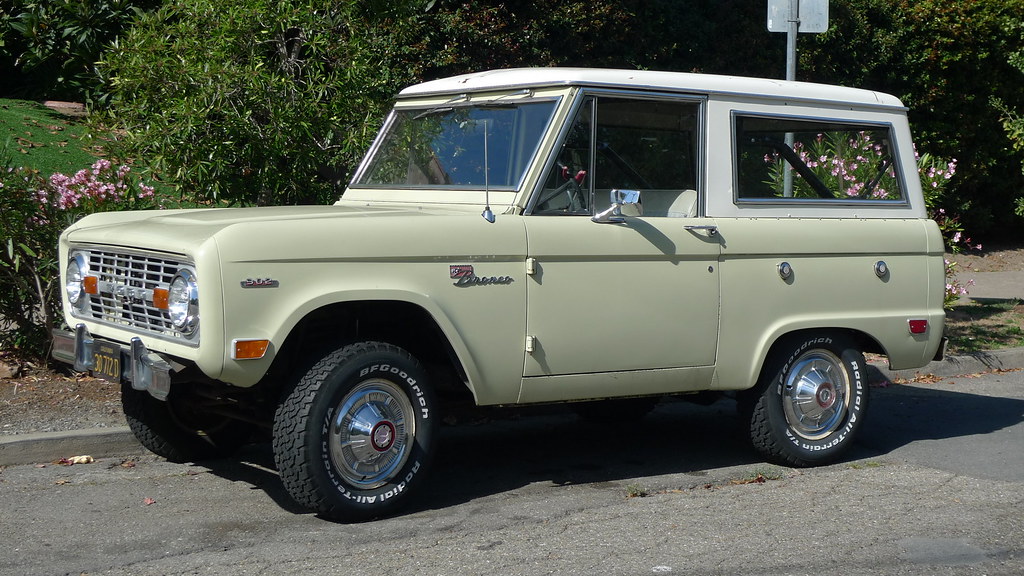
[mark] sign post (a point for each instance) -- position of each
(793, 17)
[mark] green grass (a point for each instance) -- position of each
(865, 464)
(33, 136)
(36, 137)
(985, 325)
(761, 474)
(636, 491)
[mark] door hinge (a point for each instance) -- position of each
(531, 344)
(531, 266)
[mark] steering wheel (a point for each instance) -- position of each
(572, 188)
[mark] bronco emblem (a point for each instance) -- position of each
(464, 275)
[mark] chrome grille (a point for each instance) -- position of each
(126, 285)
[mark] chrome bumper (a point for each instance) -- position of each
(136, 364)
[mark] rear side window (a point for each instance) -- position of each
(787, 159)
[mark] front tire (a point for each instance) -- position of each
(810, 402)
(178, 428)
(354, 437)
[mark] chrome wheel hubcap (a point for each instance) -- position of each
(816, 395)
(371, 434)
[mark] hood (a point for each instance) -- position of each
(179, 231)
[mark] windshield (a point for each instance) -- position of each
(489, 144)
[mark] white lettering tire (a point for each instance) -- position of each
(810, 402)
(179, 428)
(354, 437)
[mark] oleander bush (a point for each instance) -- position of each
(36, 209)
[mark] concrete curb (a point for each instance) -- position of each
(110, 442)
(1007, 359)
(51, 446)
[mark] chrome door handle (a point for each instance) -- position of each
(712, 230)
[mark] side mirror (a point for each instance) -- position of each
(624, 203)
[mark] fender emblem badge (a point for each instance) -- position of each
(260, 283)
(464, 275)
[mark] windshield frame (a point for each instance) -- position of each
(457, 193)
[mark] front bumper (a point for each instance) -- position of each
(145, 370)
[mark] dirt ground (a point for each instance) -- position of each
(42, 400)
(991, 259)
(38, 399)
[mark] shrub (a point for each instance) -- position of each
(36, 209)
(935, 175)
(254, 101)
(49, 47)
(1011, 117)
(947, 60)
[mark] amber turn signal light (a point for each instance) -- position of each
(160, 296)
(249, 349)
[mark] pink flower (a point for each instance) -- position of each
(101, 165)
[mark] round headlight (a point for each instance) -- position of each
(78, 267)
(183, 302)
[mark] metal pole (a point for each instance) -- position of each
(791, 33)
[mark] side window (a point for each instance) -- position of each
(784, 159)
(624, 143)
(567, 187)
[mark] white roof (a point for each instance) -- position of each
(649, 80)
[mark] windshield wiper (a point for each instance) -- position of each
(495, 103)
(443, 107)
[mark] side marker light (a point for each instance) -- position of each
(249, 349)
(918, 326)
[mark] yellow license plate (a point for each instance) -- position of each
(108, 362)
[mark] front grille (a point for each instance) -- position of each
(126, 284)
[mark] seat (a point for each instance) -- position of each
(670, 203)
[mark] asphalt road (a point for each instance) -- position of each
(935, 486)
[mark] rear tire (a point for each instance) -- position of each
(354, 437)
(810, 402)
(179, 430)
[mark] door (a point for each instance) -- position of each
(637, 295)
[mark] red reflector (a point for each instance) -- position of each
(918, 326)
(91, 285)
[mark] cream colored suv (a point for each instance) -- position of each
(519, 237)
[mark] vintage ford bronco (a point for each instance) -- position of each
(521, 237)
